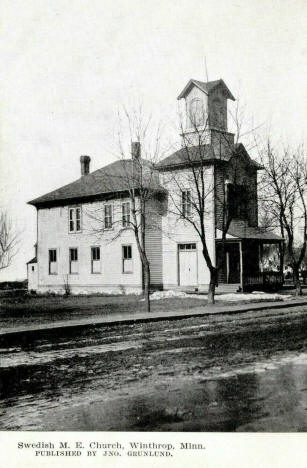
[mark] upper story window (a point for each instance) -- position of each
(75, 219)
(196, 112)
(186, 203)
(53, 265)
(125, 214)
(108, 221)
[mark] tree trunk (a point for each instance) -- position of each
(296, 282)
(143, 279)
(147, 286)
(212, 285)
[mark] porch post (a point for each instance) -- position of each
(227, 267)
(261, 256)
(241, 264)
(281, 259)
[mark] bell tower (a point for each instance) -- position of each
(206, 111)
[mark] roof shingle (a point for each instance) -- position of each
(116, 177)
(203, 153)
(206, 87)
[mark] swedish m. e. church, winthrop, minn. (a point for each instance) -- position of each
(69, 251)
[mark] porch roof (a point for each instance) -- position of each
(239, 230)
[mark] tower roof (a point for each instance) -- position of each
(206, 87)
(202, 154)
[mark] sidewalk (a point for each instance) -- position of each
(139, 317)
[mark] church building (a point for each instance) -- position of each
(85, 239)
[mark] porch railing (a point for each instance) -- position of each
(265, 279)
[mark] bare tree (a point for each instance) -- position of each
(8, 241)
(139, 185)
(284, 191)
(197, 196)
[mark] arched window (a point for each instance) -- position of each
(196, 112)
(217, 119)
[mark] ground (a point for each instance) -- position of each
(30, 310)
(243, 372)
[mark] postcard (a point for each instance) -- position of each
(153, 233)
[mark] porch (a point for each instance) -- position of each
(251, 259)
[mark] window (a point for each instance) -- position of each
(33, 268)
(75, 219)
(217, 114)
(53, 267)
(186, 204)
(127, 259)
(187, 246)
(126, 214)
(108, 216)
(197, 112)
(73, 261)
(95, 256)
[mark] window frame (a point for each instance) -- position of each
(126, 216)
(93, 260)
(125, 246)
(186, 204)
(110, 216)
(53, 250)
(217, 113)
(187, 246)
(74, 219)
(196, 113)
(70, 260)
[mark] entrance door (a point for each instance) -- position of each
(233, 263)
(187, 264)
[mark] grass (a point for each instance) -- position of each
(30, 310)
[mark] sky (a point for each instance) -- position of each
(67, 67)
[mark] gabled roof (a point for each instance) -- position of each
(119, 176)
(206, 87)
(203, 153)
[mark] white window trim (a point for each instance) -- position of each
(190, 116)
(127, 223)
(69, 261)
(57, 261)
(183, 215)
(95, 272)
(73, 209)
(123, 260)
(112, 217)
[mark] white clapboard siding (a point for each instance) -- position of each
(153, 242)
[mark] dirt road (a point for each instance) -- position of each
(233, 372)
